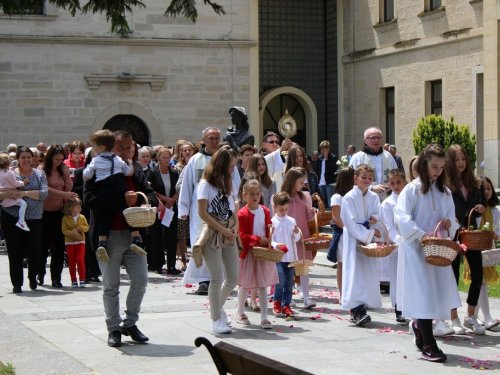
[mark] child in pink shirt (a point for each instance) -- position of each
(8, 181)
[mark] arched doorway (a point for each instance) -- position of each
(131, 124)
(308, 107)
(277, 107)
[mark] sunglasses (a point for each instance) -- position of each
(274, 142)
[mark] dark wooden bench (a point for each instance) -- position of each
(231, 359)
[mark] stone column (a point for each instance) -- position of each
(491, 48)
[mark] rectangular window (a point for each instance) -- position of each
(390, 115)
(388, 10)
(435, 4)
(437, 97)
(36, 7)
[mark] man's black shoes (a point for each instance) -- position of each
(134, 333)
(115, 338)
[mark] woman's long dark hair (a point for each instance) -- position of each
(217, 171)
(47, 162)
(467, 177)
(493, 201)
(423, 167)
(290, 162)
(345, 181)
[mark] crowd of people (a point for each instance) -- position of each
(68, 199)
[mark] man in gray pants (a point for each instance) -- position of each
(118, 248)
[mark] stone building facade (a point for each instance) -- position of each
(61, 78)
(423, 57)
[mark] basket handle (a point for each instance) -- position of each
(321, 205)
(303, 244)
(437, 227)
(386, 231)
(144, 196)
(271, 229)
(470, 217)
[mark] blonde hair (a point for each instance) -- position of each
(250, 184)
(4, 161)
(69, 205)
(177, 154)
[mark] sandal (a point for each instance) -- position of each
(243, 319)
(254, 306)
(266, 324)
(246, 302)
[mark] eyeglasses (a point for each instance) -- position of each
(274, 142)
(211, 139)
(374, 138)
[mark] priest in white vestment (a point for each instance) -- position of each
(381, 161)
(274, 160)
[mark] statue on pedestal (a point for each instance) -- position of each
(241, 136)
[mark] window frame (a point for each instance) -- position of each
(435, 104)
(385, 16)
(390, 133)
(435, 4)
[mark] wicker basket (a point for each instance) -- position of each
(268, 254)
(316, 243)
(491, 257)
(301, 267)
(320, 218)
(379, 252)
(440, 251)
(140, 217)
(476, 239)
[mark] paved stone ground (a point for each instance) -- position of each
(62, 331)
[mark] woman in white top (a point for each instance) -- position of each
(217, 208)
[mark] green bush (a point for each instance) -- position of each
(434, 129)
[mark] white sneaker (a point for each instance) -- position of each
(2, 243)
(22, 225)
(224, 317)
(491, 324)
(309, 303)
(220, 326)
(457, 327)
(472, 323)
(443, 329)
(292, 304)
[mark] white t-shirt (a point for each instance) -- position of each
(259, 220)
(218, 202)
(336, 200)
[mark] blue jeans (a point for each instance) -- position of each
(283, 290)
(326, 192)
(118, 247)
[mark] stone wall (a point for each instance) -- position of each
(45, 96)
(404, 55)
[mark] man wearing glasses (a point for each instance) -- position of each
(275, 161)
(188, 201)
(373, 154)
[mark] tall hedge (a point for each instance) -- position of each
(434, 129)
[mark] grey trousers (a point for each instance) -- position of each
(118, 246)
(216, 259)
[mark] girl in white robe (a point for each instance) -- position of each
(425, 292)
(360, 284)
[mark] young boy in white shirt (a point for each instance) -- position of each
(360, 209)
(285, 231)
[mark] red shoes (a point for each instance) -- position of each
(287, 311)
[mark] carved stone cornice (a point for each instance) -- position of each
(95, 80)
